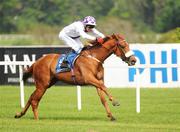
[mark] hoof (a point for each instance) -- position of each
(115, 103)
(113, 119)
(18, 115)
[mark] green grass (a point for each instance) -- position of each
(160, 111)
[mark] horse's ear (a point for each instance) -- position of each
(114, 36)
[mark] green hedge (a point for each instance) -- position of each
(172, 36)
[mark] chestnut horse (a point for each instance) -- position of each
(88, 70)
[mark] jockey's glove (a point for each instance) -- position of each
(100, 40)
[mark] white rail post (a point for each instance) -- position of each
(21, 85)
(79, 97)
(137, 90)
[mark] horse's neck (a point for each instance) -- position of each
(100, 53)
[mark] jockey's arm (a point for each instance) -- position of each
(95, 31)
(92, 42)
(86, 36)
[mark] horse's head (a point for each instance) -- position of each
(120, 47)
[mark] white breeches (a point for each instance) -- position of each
(75, 44)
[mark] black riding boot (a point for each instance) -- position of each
(65, 67)
(64, 64)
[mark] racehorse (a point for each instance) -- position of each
(88, 70)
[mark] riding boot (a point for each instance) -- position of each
(64, 64)
(65, 67)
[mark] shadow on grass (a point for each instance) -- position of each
(66, 118)
(81, 118)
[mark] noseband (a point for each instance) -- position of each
(118, 45)
(127, 54)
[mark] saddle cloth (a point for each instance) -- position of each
(70, 58)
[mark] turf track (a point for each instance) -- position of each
(160, 111)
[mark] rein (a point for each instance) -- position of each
(127, 54)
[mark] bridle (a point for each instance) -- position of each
(119, 45)
(127, 55)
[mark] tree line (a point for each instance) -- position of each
(18, 15)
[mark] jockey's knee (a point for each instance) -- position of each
(61, 35)
(72, 50)
(78, 50)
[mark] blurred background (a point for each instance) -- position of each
(38, 22)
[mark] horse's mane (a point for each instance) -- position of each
(106, 39)
(95, 44)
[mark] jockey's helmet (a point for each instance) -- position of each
(89, 20)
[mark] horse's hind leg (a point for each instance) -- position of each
(33, 101)
(23, 112)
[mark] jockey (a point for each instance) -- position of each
(71, 34)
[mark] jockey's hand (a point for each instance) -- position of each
(100, 40)
(90, 44)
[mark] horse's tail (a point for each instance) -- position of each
(28, 73)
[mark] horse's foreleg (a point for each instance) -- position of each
(104, 102)
(100, 85)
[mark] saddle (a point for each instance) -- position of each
(66, 62)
